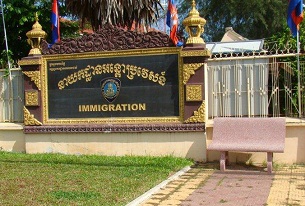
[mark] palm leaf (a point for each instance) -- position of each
(115, 12)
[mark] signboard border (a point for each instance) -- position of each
(116, 120)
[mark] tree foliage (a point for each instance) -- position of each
(18, 21)
(116, 12)
(19, 18)
(254, 19)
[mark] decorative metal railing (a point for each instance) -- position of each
(11, 95)
(264, 85)
(265, 50)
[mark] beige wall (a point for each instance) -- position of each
(186, 144)
(12, 137)
(189, 144)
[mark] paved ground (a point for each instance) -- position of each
(239, 185)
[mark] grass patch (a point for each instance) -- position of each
(220, 181)
(223, 201)
(55, 179)
(74, 195)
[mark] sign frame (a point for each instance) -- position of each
(113, 120)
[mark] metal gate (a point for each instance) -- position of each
(11, 95)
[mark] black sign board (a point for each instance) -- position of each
(113, 86)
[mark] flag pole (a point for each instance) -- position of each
(299, 78)
(9, 67)
(6, 44)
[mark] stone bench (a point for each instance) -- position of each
(248, 135)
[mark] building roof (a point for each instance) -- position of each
(235, 46)
(231, 35)
(233, 42)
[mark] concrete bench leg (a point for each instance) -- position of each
(269, 162)
(223, 160)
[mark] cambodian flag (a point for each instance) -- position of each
(55, 23)
(172, 21)
(295, 15)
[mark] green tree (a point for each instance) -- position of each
(19, 18)
(18, 21)
(254, 19)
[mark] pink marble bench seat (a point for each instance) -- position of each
(248, 135)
